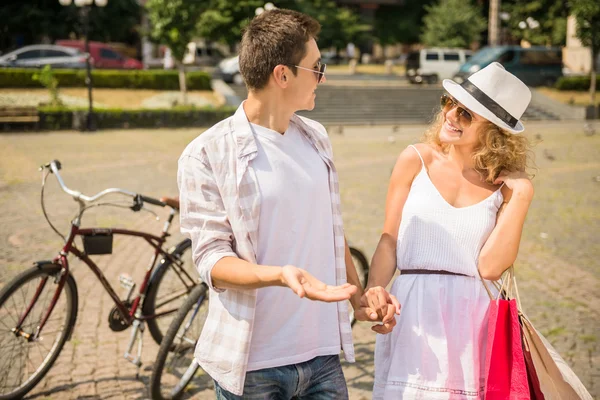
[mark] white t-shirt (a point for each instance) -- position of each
(295, 227)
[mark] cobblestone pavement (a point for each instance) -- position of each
(558, 264)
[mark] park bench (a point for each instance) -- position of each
(19, 115)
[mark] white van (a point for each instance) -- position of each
(202, 55)
(432, 65)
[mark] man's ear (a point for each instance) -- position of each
(280, 74)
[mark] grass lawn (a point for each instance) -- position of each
(569, 96)
(109, 98)
(367, 69)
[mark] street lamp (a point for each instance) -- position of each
(85, 6)
(267, 7)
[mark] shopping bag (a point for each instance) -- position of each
(505, 373)
(548, 375)
(556, 380)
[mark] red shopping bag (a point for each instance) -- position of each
(505, 373)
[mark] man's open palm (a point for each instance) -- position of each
(306, 285)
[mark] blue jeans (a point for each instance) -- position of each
(318, 379)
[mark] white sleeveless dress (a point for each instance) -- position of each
(437, 349)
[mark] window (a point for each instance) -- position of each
(414, 56)
(451, 57)
(506, 57)
(432, 56)
(109, 54)
(55, 53)
(27, 55)
(533, 57)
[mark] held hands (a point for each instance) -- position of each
(377, 304)
(306, 285)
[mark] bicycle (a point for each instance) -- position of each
(38, 308)
(175, 366)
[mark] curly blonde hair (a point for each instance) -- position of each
(498, 149)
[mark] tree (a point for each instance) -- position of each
(540, 22)
(173, 23)
(339, 25)
(452, 23)
(40, 20)
(400, 24)
(224, 20)
(587, 14)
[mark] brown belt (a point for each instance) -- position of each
(428, 272)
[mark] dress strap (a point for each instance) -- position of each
(414, 147)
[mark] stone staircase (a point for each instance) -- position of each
(358, 105)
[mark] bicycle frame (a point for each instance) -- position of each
(129, 315)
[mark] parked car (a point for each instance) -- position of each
(103, 55)
(37, 56)
(205, 56)
(229, 70)
(332, 58)
(535, 66)
(431, 65)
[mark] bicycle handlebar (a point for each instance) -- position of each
(55, 166)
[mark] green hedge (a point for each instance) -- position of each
(580, 83)
(116, 79)
(52, 118)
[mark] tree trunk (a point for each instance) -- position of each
(182, 84)
(593, 84)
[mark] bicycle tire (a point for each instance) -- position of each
(198, 295)
(41, 270)
(181, 251)
(362, 269)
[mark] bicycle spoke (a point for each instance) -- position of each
(179, 265)
(21, 361)
(6, 370)
(16, 308)
(8, 328)
(171, 298)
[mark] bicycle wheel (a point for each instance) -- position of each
(175, 367)
(169, 287)
(362, 269)
(23, 361)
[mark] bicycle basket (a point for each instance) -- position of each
(98, 243)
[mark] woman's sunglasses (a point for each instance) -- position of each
(464, 116)
(319, 73)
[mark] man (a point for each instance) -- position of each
(260, 200)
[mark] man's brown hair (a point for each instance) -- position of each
(274, 37)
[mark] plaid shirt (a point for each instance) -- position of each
(220, 209)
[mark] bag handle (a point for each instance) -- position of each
(508, 286)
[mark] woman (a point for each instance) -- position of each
(454, 215)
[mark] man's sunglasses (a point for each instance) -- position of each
(464, 116)
(320, 73)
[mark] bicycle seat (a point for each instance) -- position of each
(171, 201)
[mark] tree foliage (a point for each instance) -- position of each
(339, 25)
(39, 20)
(400, 24)
(452, 23)
(587, 14)
(550, 17)
(224, 20)
(173, 23)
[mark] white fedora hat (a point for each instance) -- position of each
(495, 94)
